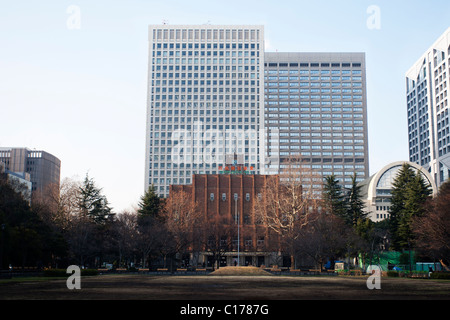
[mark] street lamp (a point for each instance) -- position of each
(238, 222)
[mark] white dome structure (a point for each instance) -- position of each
(376, 190)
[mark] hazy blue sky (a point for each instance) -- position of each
(80, 93)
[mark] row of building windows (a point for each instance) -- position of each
(201, 105)
(196, 75)
(240, 83)
(312, 64)
(314, 106)
(308, 97)
(329, 154)
(317, 154)
(206, 127)
(323, 110)
(206, 45)
(203, 61)
(316, 128)
(235, 196)
(335, 122)
(313, 147)
(202, 97)
(307, 90)
(312, 72)
(306, 112)
(163, 112)
(382, 215)
(184, 90)
(306, 141)
(312, 78)
(313, 84)
(201, 53)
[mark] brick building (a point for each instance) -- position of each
(227, 201)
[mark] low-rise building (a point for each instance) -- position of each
(227, 202)
(376, 190)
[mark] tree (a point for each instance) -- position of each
(122, 237)
(150, 204)
(85, 215)
(333, 197)
(81, 238)
(355, 215)
(287, 203)
(68, 202)
(151, 228)
(181, 217)
(92, 203)
(432, 229)
(325, 238)
(409, 194)
(25, 239)
(150, 238)
(216, 236)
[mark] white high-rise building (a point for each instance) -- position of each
(205, 104)
(428, 111)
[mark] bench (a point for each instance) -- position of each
(162, 270)
(143, 270)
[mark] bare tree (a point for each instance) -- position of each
(324, 238)
(122, 237)
(181, 216)
(433, 229)
(67, 204)
(216, 237)
(80, 234)
(287, 203)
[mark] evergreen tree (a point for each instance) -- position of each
(409, 193)
(398, 199)
(150, 208)
(333, 197)
(355, 214)
(150, 204)
(417, 193)
(92, 203)
(25, 240)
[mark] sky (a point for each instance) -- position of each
(73, 74)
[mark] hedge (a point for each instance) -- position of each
(418, 274)
(63, 272)
(440, 275)
(392, 274)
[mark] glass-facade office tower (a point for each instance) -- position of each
(205, 102)
(427, 106)
(316, 104)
